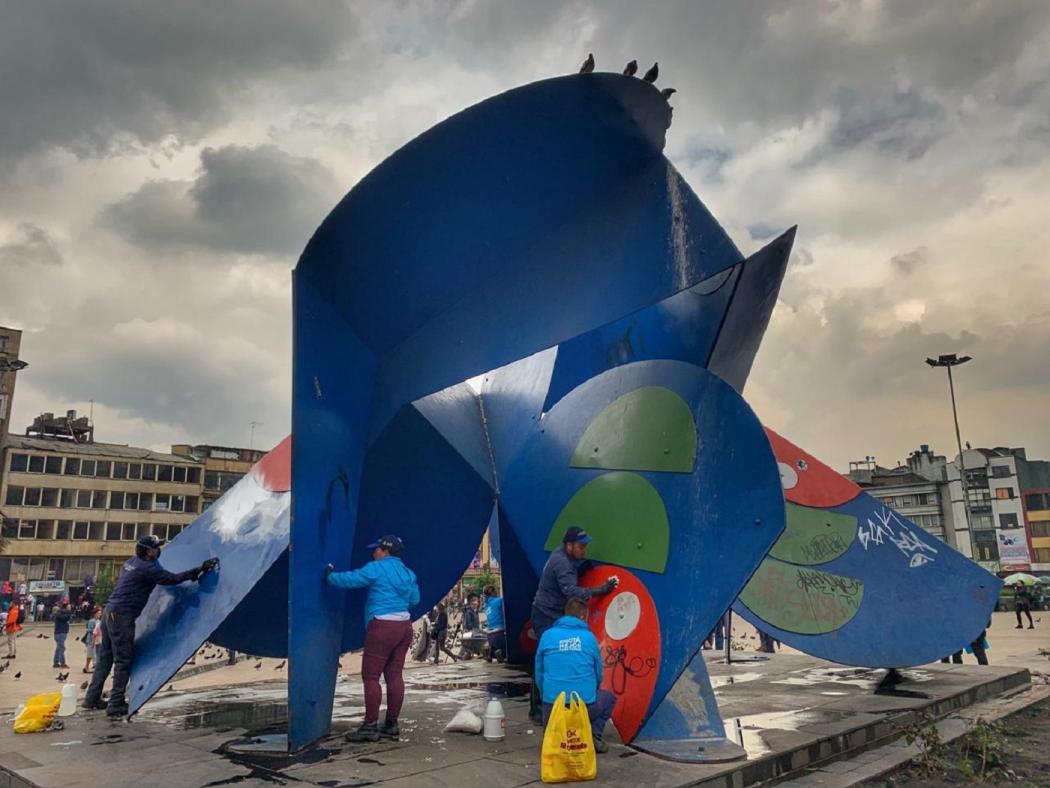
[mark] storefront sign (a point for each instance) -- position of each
(47, 586)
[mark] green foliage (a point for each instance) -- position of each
(104, 583)
(925, 735)
(475, 584)
(984, 750)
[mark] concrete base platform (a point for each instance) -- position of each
(790, 714)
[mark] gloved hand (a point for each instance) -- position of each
(328, 569)
(608, 586)
(209, 566)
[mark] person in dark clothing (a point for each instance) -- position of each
(439, 622)
(1022, 603)
(559, 583)
(61, 619)
(471, 619)
(138, 577)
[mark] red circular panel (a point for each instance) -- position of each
(274, 470)
(632, 661)
(809, 482)
(527, 639)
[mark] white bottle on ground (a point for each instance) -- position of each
(495, 722)
(68, 706)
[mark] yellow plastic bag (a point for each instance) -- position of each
(38, 713)
(568, 747)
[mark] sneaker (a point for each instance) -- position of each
(96, 706)
(1031, 626)
(389, 730)
(368, 732)
(600, 746)
(119, 710)
(1019, 627)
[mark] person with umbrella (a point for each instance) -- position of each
(1022, 602)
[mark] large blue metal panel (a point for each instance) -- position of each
(332, 385)
(456, 413)
(248, 530)
(919, 599)
(416, 485)
(735, 481)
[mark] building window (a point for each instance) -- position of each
(1042, 555)
(98, 499)
(1008, 521)
(193, 475)
(49, 496)
(53, 465)
(161, 502)
(1037, 502)
(1041, 528)
(55, 568)
(68, 499)
(145, 502)
(174, 530)
(96, 531)
(113, 532)
(1004, 493)
(9, 528)
(27, 529)
(116, 500)
(141, 529)
(160, 530)
(45, 529)
(20, 462)
(14, 495)
(80, 530)
(120, 470)
(32, 496)
(87, 468)
(131, 501)
(149, 472)
(984, 546)
(83, 499)
(63, 529)
(36, 463)
(164, 473)
(135, 471)
(102, 469)
(1001, 471)
(179, 474)
(72, 466)
(178, 503)
(193, 503)
(127, 532)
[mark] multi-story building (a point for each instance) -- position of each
(917, 490)
(223, 466)
(10, 343)
(1005, 493)
(73, 508)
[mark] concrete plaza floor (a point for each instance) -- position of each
(791, 713)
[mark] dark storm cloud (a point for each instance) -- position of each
(907, 262)
(91, 76)
(29, 246)
(247, 200)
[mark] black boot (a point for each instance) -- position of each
(368, 732)
(115, 710)
(389, 729)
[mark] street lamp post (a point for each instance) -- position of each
(948, 361)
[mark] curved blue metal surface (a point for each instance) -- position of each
(922, 600)
(724, 515)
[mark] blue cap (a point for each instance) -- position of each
(575, 534)
(392, 544)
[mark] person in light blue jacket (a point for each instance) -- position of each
(392, 592)
(495, 625)
(568, 660)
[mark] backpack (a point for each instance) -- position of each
(21, 615)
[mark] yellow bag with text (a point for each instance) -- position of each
(38, 713)
(568, 747)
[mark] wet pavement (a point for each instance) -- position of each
(789, 712)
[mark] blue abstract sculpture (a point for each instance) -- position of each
(541, 238)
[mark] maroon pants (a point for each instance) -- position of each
(386, 644)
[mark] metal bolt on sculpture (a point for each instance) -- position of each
(541, 238)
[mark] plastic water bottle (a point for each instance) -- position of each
(495, 722)
(68, 705)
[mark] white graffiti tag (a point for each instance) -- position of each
(888, 528)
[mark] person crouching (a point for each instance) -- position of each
(568, 660)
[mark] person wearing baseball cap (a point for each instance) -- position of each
(559, 583)
(392, 590)
(138, 577)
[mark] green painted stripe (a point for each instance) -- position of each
(648, 429)
(800, 599)
(626, 517)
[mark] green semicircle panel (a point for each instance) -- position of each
(625, 516)
(802, 600)
(648, 429)
(814, 536)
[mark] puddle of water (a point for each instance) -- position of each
(747, 730)
(862, 678)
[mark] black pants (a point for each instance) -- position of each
(1027, 610)
(116, 651)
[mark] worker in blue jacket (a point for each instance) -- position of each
(568, 660)
(495, 624)
(138, 577)
(392, 592)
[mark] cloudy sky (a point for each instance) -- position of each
(162, 165)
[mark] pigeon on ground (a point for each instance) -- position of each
(258, 665)
(653, 73)
(84, 685)
(631, 69)
(171, 688)
(3, 668)
(280, 666)
(588, 65)
(62, 676)
(666, 92)
(18, 675)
